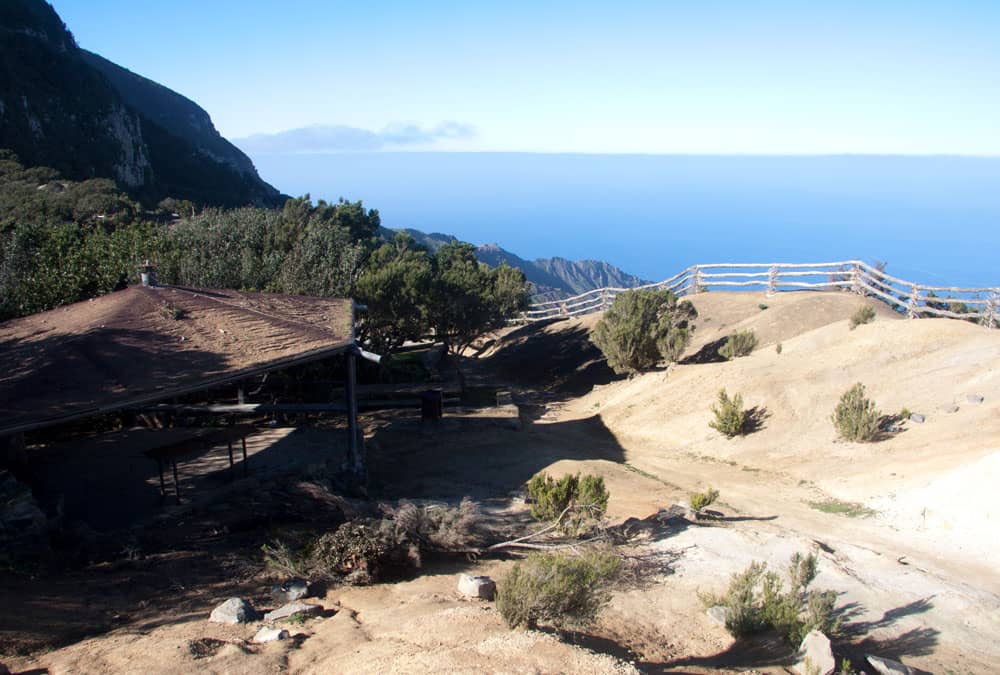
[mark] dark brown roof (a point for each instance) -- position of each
(143, 344)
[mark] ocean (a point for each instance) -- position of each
(935, 220)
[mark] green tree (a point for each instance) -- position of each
(395, 286)
(643, 326)
(469, 298)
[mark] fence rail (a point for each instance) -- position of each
(981, 305)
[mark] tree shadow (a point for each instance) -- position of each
(754, 418)
(709, 353)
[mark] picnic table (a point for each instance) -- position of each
(193, 446)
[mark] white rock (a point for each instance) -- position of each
(815, 655)
(887, 666)
(233, 610)
(477, 587)
(718, 615)
(267, 634)
(291, 590)
(293, 608)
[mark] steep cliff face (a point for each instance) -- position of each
(66, 108)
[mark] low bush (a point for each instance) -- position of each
(777, 348)
(740, 343)
(702, 500)
(757, 600)
(363, 550)
(557, 589)
(587, 496)
(730, 417)
(642, 327)
(856, 417)
(865, 314)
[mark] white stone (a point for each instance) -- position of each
(477, 587)
(888, 666)
(267, 634)
(815, 655)
(233, 610)
(718, 615)
(293, 608)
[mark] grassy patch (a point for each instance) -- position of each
(849, 509)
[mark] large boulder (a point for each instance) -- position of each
(815, 655)
(233, 611)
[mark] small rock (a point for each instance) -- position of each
(477, 587)
(815, 655)
(974, 398)
(233, 610)
(291, 590)
(675, 511)
(292, 609)
(267, 634)
(917, 417)
(718, 615)
(953, 409)
(888, 666)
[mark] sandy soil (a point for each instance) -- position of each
(915, 574)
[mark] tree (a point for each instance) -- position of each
(469, 298)
(395, 286)
(643, 326)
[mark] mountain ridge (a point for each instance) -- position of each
(552, 278)
(86, 117)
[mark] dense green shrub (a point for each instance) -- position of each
(642, 327)
(865, 314)
(855, 416)
(702, 500)
(757, 600)
(730, 417)
(550, 497)
(740, 343)
(557, 589)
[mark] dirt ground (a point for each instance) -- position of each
(903, 527)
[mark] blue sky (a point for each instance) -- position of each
(631, 77)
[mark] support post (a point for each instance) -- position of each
(355, 462)
(695, 286)
(856, 279)
(911, 306)
(772, 281)
(992, 307)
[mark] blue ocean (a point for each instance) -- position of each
(935, 220)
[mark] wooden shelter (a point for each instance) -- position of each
(147, 344)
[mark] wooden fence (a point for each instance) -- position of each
(981, 305)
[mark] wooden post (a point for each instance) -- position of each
(856, 279)
(694, 286)
(355, 463)
(992, 306)
(772, 280)
(911, 306)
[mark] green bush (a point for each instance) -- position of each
(865, 314)
(557, 589)
(730, 417)
(642, 327)
(702, 500)
(757, 600)
(855, 416)
(551, 497)
(740, 343)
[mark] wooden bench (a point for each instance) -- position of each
(201, 442)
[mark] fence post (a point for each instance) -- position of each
(856, 279)
(911, 306)
(694, 287)
(562, 309)
(992, 305)
(772, 280)
(605, 300)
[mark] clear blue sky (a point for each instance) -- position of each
(654, 77)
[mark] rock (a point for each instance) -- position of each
(675, 511)
(233, 610)
(917, 417)
(477, 587)
(953, 409)
(888, 666)
(718, 615)
(815, 655)
(291, 590)
(974, 398)
(267, 634)
(293, 609)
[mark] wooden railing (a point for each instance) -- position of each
(981, 305)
